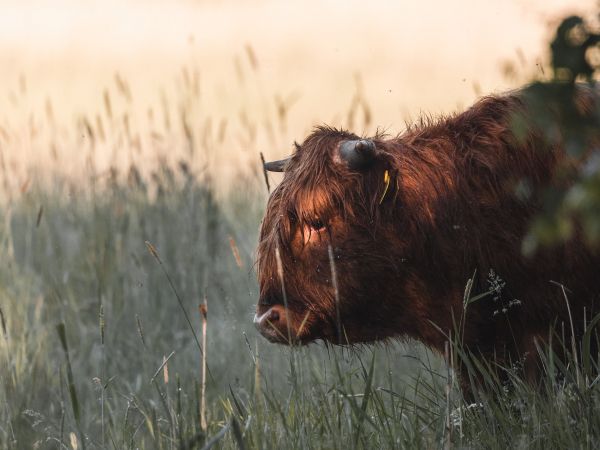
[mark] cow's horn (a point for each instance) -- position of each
(358, 154)
(277, 166)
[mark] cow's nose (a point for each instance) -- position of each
(274, 315)
(272, 323)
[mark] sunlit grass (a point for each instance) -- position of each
(90, 315)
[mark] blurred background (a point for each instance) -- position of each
(262, 72)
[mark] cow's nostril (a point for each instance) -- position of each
(274, 315)
(273, 324)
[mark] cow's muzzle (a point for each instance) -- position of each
(273, 324)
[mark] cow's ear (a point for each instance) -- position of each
(358, 154)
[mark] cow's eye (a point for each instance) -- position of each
(317, 225)
(313, 230)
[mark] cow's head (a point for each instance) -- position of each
(325, 255)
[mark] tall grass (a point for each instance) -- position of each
(85, 270)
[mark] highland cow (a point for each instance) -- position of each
(367, 239)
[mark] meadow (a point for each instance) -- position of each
(101, 334)
(126, 208)
(101, 327)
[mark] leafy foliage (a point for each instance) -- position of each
(566, 112)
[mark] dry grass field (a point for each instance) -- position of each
(131, 193)
(245, 76)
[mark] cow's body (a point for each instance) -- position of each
(460, 199)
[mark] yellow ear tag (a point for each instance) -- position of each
(386, 181)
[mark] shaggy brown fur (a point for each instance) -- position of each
(402, 263)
